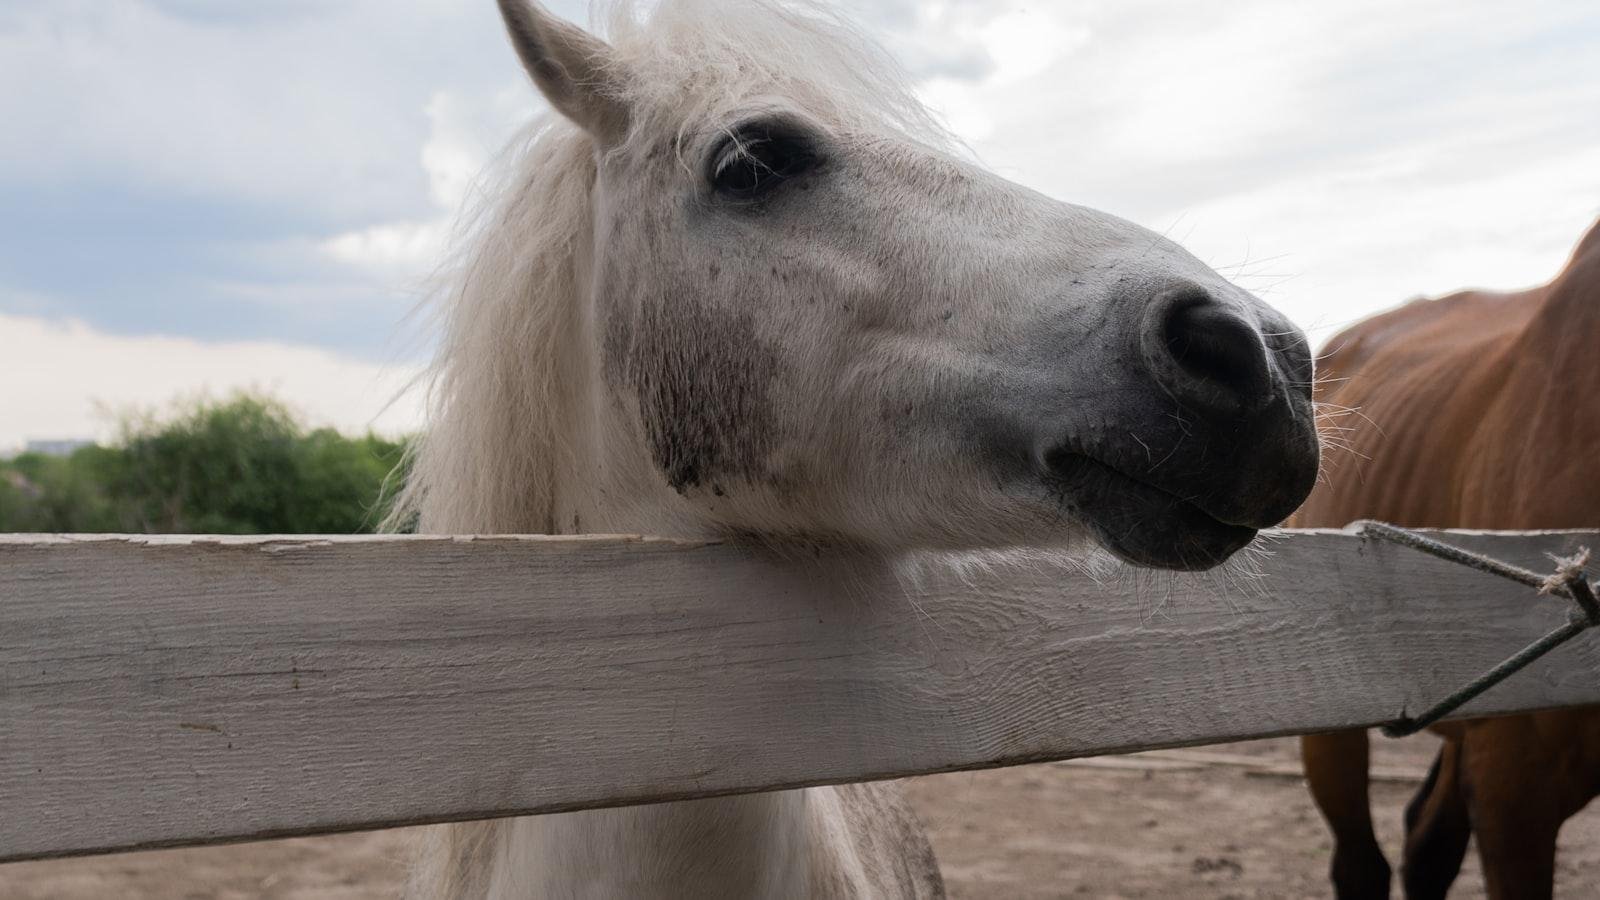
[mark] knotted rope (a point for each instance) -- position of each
(1570, 580)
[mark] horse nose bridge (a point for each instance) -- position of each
(1210, 352)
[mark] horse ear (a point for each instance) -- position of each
(576, 71)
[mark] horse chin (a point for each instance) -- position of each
(1195, 551)
(1144, 525)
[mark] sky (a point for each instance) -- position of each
(202, 195)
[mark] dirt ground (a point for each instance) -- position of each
(1231, 821)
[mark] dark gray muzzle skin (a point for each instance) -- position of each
(1194, 428)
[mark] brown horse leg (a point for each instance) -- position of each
(1336, 770)
(1437, 829)
(1518, 850)
(1514, 792)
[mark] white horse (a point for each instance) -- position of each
(740, 287)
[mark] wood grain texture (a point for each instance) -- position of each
(167, 691)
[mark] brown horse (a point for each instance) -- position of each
(1471, 411)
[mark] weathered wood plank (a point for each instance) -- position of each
(175, 691)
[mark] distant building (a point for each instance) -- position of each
(55, 448)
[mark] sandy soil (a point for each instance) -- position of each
(1225, 822)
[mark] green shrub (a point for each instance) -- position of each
(239, 466)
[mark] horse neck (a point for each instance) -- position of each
(756, 846)
(605, 482)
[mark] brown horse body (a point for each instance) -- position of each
(1472, 411)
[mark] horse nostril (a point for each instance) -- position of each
(1217, 353)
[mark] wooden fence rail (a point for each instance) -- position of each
(189, 690)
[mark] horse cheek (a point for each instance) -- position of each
(703, 378)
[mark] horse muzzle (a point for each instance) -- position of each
(1211, 437)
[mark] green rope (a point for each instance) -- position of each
(1571, 582)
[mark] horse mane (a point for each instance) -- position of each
(507, 307)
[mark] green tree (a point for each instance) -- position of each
(344, 482)
(49, 493)
(239, 466)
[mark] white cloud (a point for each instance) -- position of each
(1338, 158)
(318, 107)
(1009, 45)
(465, 133)
(66, 380)
(1370, 233)
(1027, 42)
(404, 248)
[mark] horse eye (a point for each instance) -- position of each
(753, 160)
